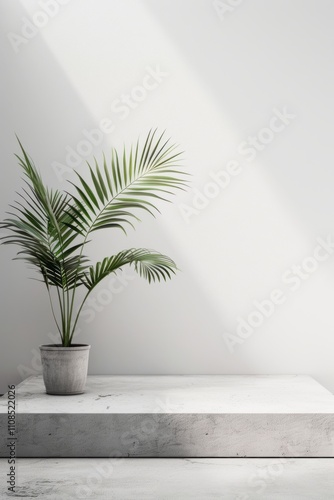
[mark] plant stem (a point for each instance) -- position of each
(78, 314)
(65, 317)
(61, 313)
(52, 309)
(75, 282)
(69, 318)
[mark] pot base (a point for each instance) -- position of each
(64, 393)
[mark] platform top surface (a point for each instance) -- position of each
(180, 394)
(286, 394)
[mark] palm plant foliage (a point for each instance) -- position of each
(52, 228)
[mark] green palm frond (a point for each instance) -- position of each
(132, 181)
(38, 219)
(37, 187)
(149, 264)
(62, 274)
(36, 250)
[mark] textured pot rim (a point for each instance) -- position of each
(59, 347)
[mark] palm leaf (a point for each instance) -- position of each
(38, 225)
(151, 265)
(134, 181)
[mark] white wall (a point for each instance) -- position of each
(225, 76)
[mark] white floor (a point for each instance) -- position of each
(172, 479)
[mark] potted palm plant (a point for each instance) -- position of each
(53, 228)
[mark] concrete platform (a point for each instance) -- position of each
(172, 479)
(175, 416)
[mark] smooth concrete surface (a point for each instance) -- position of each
(173, 479)
(176, 416)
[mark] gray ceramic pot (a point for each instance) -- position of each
(65, 368)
